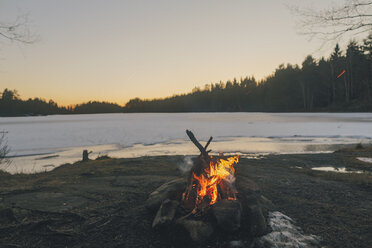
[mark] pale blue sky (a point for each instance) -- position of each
(117, 50)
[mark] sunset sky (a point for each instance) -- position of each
(118, 50)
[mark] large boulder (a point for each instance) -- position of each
(228, 214)
(256, 221)
(171, 190)
(194, 230)
(255, 211)
(255, 206)
(165, 214)
(246, 185)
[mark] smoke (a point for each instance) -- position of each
(186, 165)
(230, 179)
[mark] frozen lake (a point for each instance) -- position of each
(42, 142)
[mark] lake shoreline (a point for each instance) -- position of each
(102, 202)
(197, 112)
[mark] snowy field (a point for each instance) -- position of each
(43, 142)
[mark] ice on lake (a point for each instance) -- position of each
(39, 143)
(336, 169)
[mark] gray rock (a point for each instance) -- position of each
(170, 190)
(266, 205)
(165, 213)
(256, 221)
(255, 209)
(246, 185)
(198, 231)
(236, 244)
(228, 214)
(252, 199)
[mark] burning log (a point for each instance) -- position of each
(199, 165)
(211, 179)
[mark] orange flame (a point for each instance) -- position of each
(212, 177)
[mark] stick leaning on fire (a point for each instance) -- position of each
(198, 167)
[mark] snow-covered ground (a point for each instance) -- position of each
(42, 142)
(285, 234)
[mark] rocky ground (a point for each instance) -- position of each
(101, 203)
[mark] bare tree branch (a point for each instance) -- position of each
(17, 31)
(351, 18)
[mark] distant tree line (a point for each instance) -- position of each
(316, 85)
(12, 105)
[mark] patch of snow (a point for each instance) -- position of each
(365, 159)
(297, 167)
(336, 169)
(285, 234)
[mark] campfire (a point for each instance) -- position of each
(205, 205)
(211, 179)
